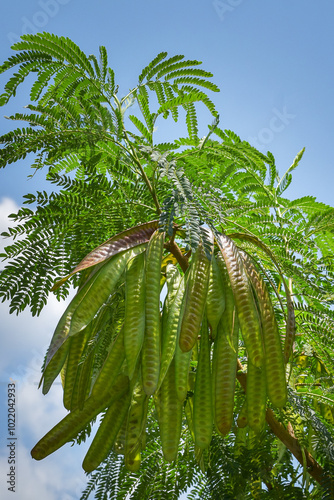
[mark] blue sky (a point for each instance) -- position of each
(273, 62)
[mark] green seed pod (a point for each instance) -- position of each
(83, 380)
(110, 367)
(107, 432)
(256, 397)
(77, 344)
(169, 411)
(54, 366)
(134, 319)
(170, 331)
(99, 288)
(151, 345)
(248, 317)
(215, 300)
(273, 361)
(203, 411)
(224, 368)
(135, 429)
(182, 365)
(290, 328)
(119, 445)
(195, 299)
(76, 420)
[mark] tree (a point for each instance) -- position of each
(202, 225)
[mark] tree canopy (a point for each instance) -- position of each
(109, 176)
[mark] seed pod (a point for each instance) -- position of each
(290, 327)
(256, 397)
(182, 365)
(242, 419)
(54, 366)
(119, 445)
(134, 319)
(76, 420)
(244, 301)
(170, 331)
(110, 367)
(173, 278)
(102, 285)
(107, 432)
(195, 299)
(77, 344)
(215, 300)
(273, 361)
(224, 367)
(203, 412)
(169, 411)
(83, 379)
(135, 428)
(151, 344)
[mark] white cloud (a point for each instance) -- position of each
(57, 477)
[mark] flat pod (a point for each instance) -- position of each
(256, 397)
(104, 282)
(169, 411)
(76, 420)
(134, 319)
(203, 411)
(273, 361)
(195, 299)
(152, 338)
(215, 300)
(248, 317)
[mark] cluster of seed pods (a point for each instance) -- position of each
(181, 355)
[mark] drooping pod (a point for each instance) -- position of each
(152, 338)
(224, 362)
(111, 366)
(224, 367)
(134, 319)
(77, 345)
(107, 432)
(290, 327)
(195, 299)
(256, 397)
(135, 428)
(54, 366)
(76, 420)
(273, 360)
(171, 323)
(215, 300)
(203, 413)
(169, 412)
(248, 316)
(100, 287)
(83, 379)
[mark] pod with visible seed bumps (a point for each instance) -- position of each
(170, 330)
(203, 414)
(182, 365)
(169, 411)
(135, 428)
(151, 345)
(99, 288)
(134, 319)
(273, 361)
(248, 316)
(224, 363)
(76, 420)
(224, 366)
(83, 379)
(110, 367)
(215, 300)
(107, 432)
(195, 299)
(256, 397)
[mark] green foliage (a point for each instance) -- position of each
(107, 173)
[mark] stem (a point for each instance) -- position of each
(288, 438)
